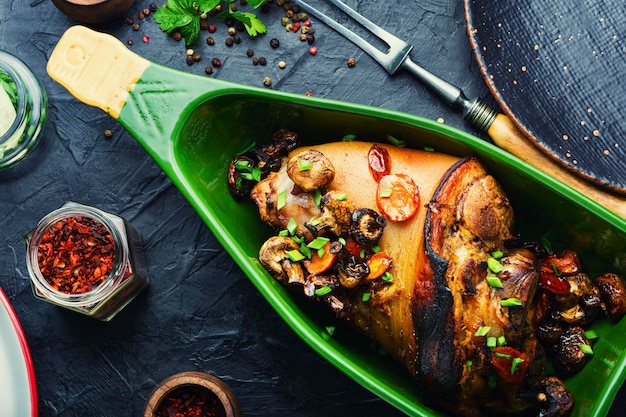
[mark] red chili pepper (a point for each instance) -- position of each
(379, 162)
(510, 364)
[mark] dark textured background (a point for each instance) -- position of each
(200, 311)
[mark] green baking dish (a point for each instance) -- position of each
(193, 126)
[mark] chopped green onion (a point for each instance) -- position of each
(292, 226)
(429, 149)
(556, 269)
(247, 176)
(591, 334)
(497, 254)
(282, 200)
(341, 197)
(314, 221)
(494, 265)
(547, 245)
(342, 241)
(362, 253)
(385, 193)
(375, 249)
(318, 243)
(295, 255)
(317, 197)
(510, 302)
(482, 331)
(397, 142)
(366, 297)
(330, 330)
(515, 364)
(239, 184)
(305, 250)
(388, 277)
(501, 341)
(304, 164)
(586, 349)
(297, 239)
(323, 291)
(494, 282)
(321, 252)
(349, 137)
(492, 342)
(283, 233)
(502, 355)
(469, 364)
(243, 165)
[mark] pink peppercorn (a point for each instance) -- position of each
(313, 50)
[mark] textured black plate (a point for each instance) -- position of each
(557, 68)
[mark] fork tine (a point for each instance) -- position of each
(391, 60)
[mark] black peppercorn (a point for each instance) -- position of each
(197, 57)
(262, 60)
(177, 36)
(255, 61)
(146, 12)
(153, 7)
(216, 62)
(210, 41)
(129, 21)
(250, 52)
(135, 27)
(274, 43)
(237, 39)
(310, 38)
(208, 70)
(189, 59)
(240, 27)
(229, 42)
(204, 25)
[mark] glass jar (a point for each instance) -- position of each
(30, 109)
(86, 260)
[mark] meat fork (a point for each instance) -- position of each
(498, 126)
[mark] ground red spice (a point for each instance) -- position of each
(191, 400)
(76, 254)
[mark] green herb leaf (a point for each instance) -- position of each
(317, 197)
(341, 197)
(254, 26)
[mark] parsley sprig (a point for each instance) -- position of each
(185, 15)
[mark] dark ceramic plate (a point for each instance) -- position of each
(556, 68)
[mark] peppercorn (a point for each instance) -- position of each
(262, 60)
(190, 52)
(282, 64)
(237, 39)
(153, 7)
(210, 41)
(232, 30)
(289, 13)
(216, 62)
(204, 25)
(302, 37)
(108, 134)
(129, 21)
(208, 70)
(212, 28)
(303, 16)
(197, 57)
(129, 41)
(250, 52)
(288, 27)
(267, 81)
(229, 42)
(177, 36)
(351, 62)
(140, 15)
(310, 38)
(295, 8)
(255, 61)
(240, 27)
(135, 27)
(274, 43)
(284, 20)
(146, 12)
(313, 50)
(189, 59)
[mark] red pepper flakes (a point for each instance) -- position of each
(296, 26)
(76, 254)
(190, 400)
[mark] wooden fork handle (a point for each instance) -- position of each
(506, 135)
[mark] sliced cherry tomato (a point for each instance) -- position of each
(378, 263)
(379, 162)
(510, 364)
(317, 265)
(397, 197)
(567, 263)
(552, 283)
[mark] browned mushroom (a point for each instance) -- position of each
(612, 291)
(274, 257)
(351, 272)
(310, 170)
(570, 354)
(554, 398)
(367, 226)
(335, 216)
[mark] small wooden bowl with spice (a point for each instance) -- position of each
(93, 11)
(192, 394)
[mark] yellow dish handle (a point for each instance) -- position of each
(96, 68)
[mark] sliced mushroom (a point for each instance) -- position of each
(583, 304)
(367, 226)
(612, 291)
(554, 398)
(351, 272)
(273, 256)
(335, 216)
(310, 170)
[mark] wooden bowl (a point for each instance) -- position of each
(93, 11)
(226, 404)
